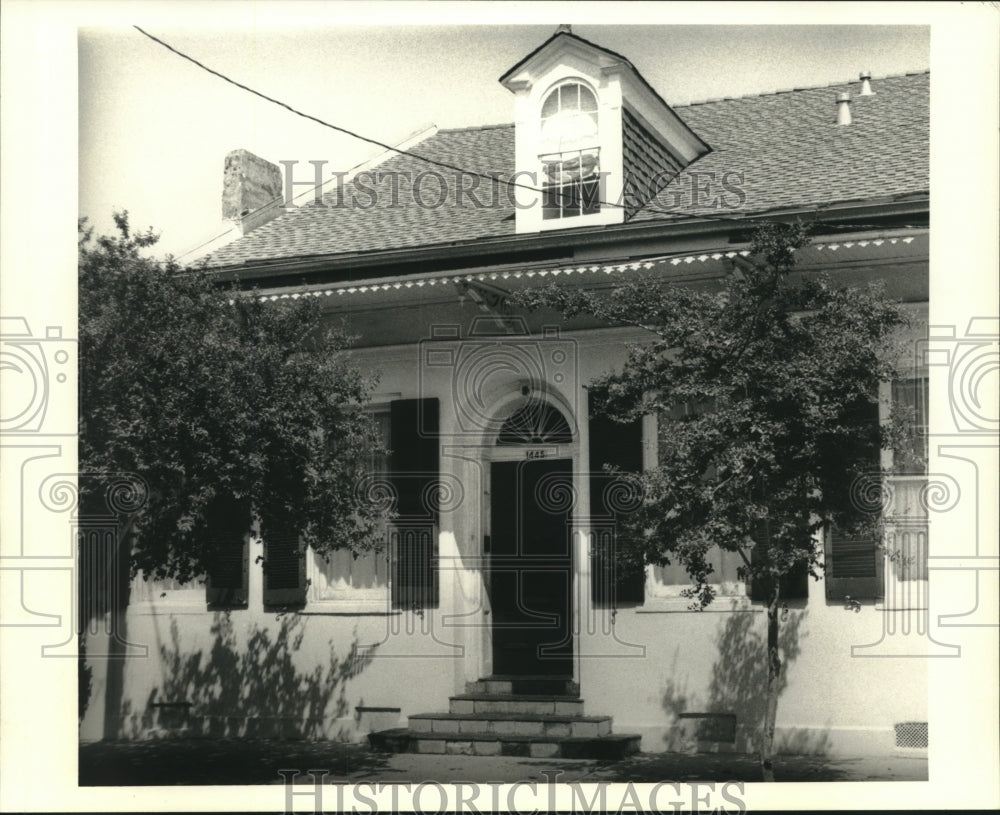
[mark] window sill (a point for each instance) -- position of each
(881, 605)
(722, 604)
(171, 606)
(899, 609)
(351, 608)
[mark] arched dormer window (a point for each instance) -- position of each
(570, 152)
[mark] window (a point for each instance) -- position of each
(910, 396)
(570, 154)
(907, 549)
(344, 575)
(403, 569)
(670, 581)
(535, 423)
(793, 584)
(167, 592)
(907, 532)
(855, 566)
(225, 541)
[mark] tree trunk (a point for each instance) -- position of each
(773, 677)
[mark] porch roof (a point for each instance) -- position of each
(898, 245)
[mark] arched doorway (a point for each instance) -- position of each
(532, 499)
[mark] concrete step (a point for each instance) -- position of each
(404, 740)
(539, 704)
(524, 685)
(512, 724)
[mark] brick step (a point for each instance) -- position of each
(508, 703)
(404, 740)
(512, 724)
(522, 685)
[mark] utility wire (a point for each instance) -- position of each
(435, 162)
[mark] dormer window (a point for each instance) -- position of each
(585, 121)
(570, 156)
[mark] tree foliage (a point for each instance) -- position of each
(764, 388)
(228, 407)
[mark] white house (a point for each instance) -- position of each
(494, 622)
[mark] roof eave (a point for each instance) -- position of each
(483, 248)
(528, 57)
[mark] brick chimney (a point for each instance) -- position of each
(251, 190)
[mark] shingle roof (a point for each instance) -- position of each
(786, 145)
(793, 154)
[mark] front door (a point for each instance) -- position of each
(531, 567)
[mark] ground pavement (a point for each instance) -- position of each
(257, 761)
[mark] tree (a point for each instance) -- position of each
(226, 407)
(764, 387)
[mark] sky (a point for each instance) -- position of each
(154, 129)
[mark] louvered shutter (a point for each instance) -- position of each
(414, 464)
(612, 582)
(284, 567)
(854, 568)
(854, 565)
(228, 557)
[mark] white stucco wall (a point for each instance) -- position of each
(251, 671)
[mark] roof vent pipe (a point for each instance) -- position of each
(844, 109)
(866, 84)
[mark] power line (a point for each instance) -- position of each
(435, 162)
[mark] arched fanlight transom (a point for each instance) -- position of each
(535, 423)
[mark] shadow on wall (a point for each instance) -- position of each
(251, 689)
(738, 688)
